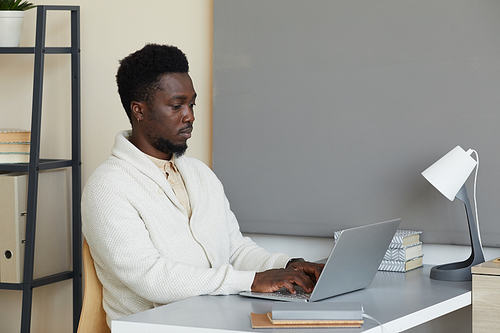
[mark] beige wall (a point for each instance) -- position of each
(110, 30)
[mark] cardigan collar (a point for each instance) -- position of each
(125, 150)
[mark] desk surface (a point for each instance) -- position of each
(398, 300)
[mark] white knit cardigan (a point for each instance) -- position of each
(147, 251)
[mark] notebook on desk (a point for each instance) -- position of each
(352, 264)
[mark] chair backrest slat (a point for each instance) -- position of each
(93, 316)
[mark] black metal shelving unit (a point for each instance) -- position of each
(36, 164)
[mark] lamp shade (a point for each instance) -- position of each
(451, 171)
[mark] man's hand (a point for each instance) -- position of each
(309, 268)
(303, 274)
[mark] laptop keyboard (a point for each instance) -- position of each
(283, 292)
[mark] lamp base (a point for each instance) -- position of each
(457, 271)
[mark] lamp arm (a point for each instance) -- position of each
(461, 271)
(475, 238)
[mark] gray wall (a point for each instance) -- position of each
(327, 111)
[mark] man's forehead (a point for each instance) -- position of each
(175, 77)
(177, 86)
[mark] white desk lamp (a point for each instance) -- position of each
(448, 175)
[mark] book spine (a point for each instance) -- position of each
(403, 253)
(400, 266)
(395, 254)
(397, 240)
(392, 266)
(401, 234)
(14, 147)
(14, 135)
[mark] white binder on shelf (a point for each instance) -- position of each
(12, 226)
(52, 222)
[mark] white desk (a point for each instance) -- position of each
(399, 301)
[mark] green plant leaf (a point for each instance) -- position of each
(16, 5)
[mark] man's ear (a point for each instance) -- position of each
(137, 111)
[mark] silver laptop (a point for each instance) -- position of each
(352, 264)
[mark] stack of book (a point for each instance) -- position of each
(14, 146)
(404, 252)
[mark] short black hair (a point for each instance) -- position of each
(140, 72)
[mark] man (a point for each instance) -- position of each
(158, 224)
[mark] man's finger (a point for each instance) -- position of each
(288, 285)
(304, 281)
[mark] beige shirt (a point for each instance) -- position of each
(175, 179)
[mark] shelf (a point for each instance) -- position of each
(31, 50)
(36, 165)
(52, 279)
(11, 286)
(41, 281)
(44, 164)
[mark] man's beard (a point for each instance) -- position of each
(167, 147)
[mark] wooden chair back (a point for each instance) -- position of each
(92, 317)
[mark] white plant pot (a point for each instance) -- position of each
(11, 25)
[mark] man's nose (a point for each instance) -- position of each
(188, 116)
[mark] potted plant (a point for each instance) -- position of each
(11, 21)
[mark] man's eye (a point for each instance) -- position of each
(192, 105)
(176, 107)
